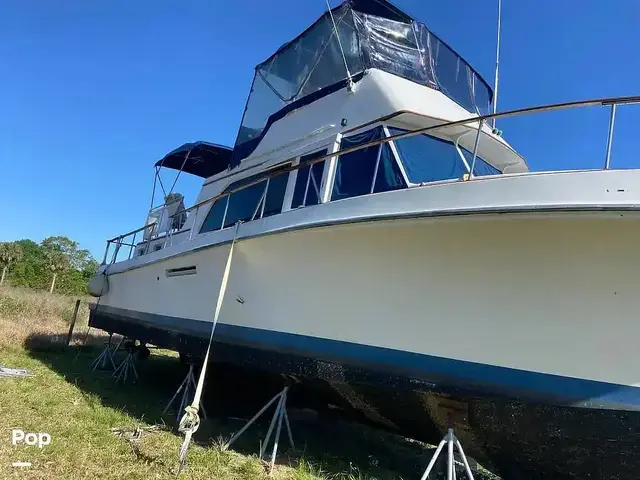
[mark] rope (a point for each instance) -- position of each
(344, 58)
(190, 421)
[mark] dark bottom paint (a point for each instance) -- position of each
(523, 424)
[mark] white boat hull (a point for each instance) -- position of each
(553, 294)
(513, 325)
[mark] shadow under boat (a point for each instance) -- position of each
(328, 432)
(519, 440)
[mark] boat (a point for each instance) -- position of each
(392, 246)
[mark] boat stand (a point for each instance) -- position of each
(127, 369)
(186, 387)
(105, 359)
(278, 416)
(449, 439)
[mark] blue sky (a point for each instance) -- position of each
(93, 93)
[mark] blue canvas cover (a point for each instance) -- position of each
(203, 159)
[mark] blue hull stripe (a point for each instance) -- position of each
(443, 373)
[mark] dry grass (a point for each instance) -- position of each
(25, 314)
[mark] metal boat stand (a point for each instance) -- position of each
(105, 359)
(278, 416)
(127, 369)
(187, 387)
(450, 440)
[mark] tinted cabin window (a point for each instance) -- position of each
(213, 221)
(247, 203)
(481, 167)
(275, 194)
(355, 171)
(308, 181)
(243, 204)
(388, 177)
(428, 159)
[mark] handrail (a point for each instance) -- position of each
(481, 119)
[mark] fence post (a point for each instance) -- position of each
(73, 322)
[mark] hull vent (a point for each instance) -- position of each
(179, 272)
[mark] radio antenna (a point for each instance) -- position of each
(495, 84)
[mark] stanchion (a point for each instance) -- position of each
(127, 369)
(105, 359)
(185, 387)
(278, 416)
(450, 440)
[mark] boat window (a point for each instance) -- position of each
(308, 181)
(388, 176)
(248, 203)
(481, 168)
(243, 203)
(213, 221)
(355, 171)
(428, 159)
(275, 194)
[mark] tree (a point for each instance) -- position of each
(58, 259)
(10, 253)
(32, 271)
(78, 258)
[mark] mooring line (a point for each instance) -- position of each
(191, 420)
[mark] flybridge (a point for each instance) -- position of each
(338, 49)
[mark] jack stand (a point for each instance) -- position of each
(105, 359)
(187, 384)
(128, 366)
(278, 415)
(450, 439)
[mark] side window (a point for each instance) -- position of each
(481, 167)
(428, 159)
(368, 170)
(308, 181)
(388, 175)
(243, 204)
(213, 221)
(275, 194)
(248, 203)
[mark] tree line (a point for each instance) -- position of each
(55, 264)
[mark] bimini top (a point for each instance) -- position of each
(373, 34)
(203, 159)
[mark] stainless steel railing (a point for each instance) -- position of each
(611, 102)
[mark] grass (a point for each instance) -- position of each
(83, 444)
(79, 409)
(25, 313)
(93, 422)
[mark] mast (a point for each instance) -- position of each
(495, 84)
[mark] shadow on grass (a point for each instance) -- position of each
(327, 438)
